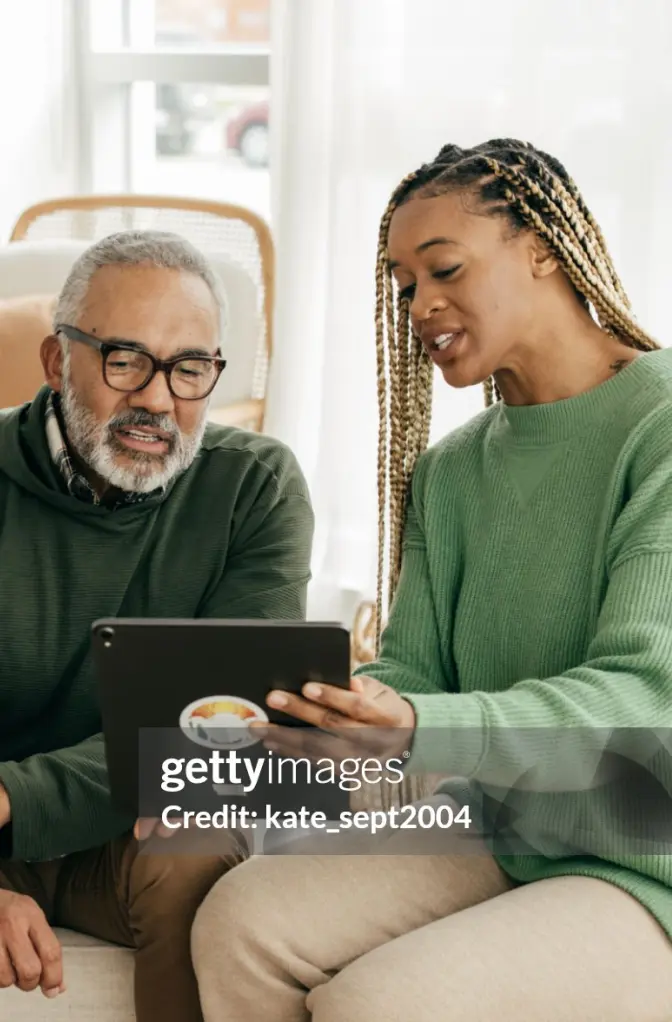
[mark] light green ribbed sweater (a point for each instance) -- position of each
(536, 601)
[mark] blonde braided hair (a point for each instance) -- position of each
(533, 191)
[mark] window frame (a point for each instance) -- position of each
(108, 73)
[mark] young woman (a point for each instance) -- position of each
(531, 582)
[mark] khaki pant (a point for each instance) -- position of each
(143, 901)
(424, 938)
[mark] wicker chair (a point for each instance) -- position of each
(239, 245)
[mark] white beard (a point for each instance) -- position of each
(97, 445)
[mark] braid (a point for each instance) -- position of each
(533, 191)
(598, 236)
(611, 312)
(559, 204)
(555, 178)
(589, 269)
(399, 442)
(381, 349)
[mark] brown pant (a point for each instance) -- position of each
(142, 901)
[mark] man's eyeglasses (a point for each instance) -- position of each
(127, 367)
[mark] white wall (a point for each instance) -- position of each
(37, 101)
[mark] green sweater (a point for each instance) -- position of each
(535, 604)
(231, 538)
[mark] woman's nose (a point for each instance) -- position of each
(426, 303)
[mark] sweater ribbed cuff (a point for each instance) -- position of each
(449, 737)
(29, 823)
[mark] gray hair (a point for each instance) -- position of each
(135, 248)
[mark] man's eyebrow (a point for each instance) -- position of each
(123, 342)
(425, 245)
(180, 353)
(195, 352)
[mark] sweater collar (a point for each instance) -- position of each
(559, 420)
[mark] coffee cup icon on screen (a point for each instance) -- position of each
(222, 722)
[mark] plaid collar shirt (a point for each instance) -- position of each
(76, 484)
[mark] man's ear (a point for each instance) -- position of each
(51, 356)
(543, 260)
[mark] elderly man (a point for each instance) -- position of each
(118, 498)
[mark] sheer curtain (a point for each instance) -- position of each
(363, 92)
(39, 142)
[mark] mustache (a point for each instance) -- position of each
(140, 417)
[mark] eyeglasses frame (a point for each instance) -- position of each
(165, 366)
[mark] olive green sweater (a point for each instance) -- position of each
(533, 622)
(231, 538)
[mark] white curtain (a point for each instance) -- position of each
(365, 91)
(38, 141)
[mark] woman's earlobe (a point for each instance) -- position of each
(544, 262)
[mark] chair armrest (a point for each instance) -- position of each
(243, 415)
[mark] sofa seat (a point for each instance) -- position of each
(99, 981)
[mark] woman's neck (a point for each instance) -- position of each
(568, 359)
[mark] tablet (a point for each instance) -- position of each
(185, 689)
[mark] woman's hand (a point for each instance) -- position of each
(368, 719)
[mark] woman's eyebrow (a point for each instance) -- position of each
(424, 246)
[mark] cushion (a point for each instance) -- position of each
(36, 267)
(24, 323)
(99, 981)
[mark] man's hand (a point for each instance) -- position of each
(147, 827)
(369, 718)
(30, 954)
(5, 807)
(229, 845)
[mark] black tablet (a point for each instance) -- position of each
(187, 690)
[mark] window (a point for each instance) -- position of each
(211, 22)
(177, 99)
